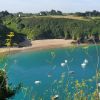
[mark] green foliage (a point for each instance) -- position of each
(88, 13)
(59, 28)
(20, 26)
(52, 12)
(51, 28)
(4, 13)
(18, 20)
(9, 39)
(6, 91)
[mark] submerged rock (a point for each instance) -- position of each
(63, 64)
(66, 61)
(55, 97)
(83, 65)
(37, 82)
(71, 72)
(49, 75)
(85, 61)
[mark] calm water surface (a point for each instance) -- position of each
(45, 66)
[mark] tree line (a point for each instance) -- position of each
(52, 12)
(93, 13)
(34, 28)
(51, 28)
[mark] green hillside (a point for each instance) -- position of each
(51, 27)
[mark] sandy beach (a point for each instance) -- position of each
(41, 44)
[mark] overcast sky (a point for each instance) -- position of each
(34, 6)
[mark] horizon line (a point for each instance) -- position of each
(50, 10)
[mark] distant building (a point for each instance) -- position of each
(19, 15)
(40, 13)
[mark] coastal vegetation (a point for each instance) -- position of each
(15, 29)
(6, 90)
(35, 27)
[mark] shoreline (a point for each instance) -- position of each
(42, 45)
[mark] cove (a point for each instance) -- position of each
(45, 66)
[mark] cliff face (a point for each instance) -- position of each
(25, 43)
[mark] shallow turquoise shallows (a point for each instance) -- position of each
(45, 73)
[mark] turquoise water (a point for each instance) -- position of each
(45, 66)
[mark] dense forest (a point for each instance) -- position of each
(38, 27)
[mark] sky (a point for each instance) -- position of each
(35, 6)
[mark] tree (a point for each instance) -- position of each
(59, 13)
(53, 12)
(20, 26)
(4, 13)
(43, 13)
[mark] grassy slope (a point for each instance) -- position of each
(30, 31)
(65, 17)
(13, 24)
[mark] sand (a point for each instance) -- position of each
(41, 44)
